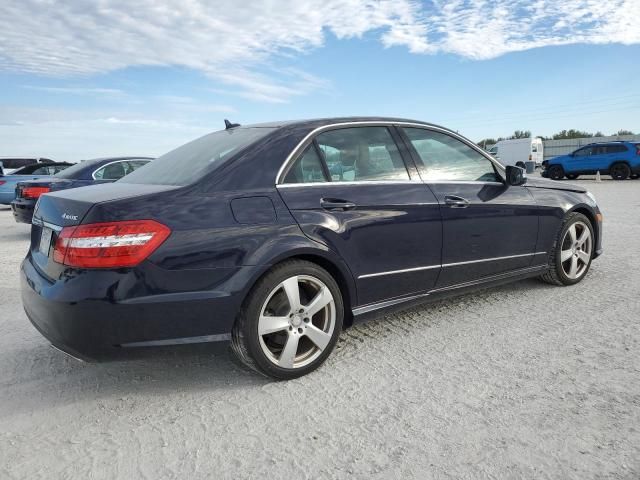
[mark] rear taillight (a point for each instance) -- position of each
(637, 153)
(109, 245)
(2, 182)
(34, 192)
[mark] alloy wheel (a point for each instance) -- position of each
(576, 250)
(297, 321)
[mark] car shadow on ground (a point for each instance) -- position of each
(164, 370)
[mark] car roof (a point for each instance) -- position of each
(320, 122)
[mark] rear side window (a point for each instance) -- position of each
(448, 159)
(111, 171)
(362, 154)
(191, 161)
(307, 168)
(615, 149)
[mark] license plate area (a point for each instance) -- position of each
(45, 240)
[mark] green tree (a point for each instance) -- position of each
(486, 141)
(624, 132)
(521, 134)
(572, 133)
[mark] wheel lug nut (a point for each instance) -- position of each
(306, 320)
(301, 310)
(290, 327)
(299, 330)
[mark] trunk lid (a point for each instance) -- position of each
(67, 208)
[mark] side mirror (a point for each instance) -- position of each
(515, 175)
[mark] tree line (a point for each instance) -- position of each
(561, 135)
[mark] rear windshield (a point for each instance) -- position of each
(73, 170)
(191, 161)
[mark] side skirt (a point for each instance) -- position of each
(374, 310)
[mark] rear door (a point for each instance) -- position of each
(488, 227)
(352, 190)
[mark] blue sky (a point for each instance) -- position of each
(108, 78)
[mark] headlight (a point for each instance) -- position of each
(591, 196)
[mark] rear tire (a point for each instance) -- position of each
(570, 258)
(521, 165)
(556, 172)
(290, 321)
(572, 176)
(635, 176)
(620, 171)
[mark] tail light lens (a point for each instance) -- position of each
(109, 245)
(2, 182)
(34, 192)
(637, 153)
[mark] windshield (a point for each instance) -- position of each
(188, 163)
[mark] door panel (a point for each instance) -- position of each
(497, 222)
(391, 227)
(487, 227)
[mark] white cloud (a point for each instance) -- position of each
(234, 42)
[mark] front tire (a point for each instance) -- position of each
(572, 253)
(290, 322)
(556, 172)
(620, 171)
(572, 176)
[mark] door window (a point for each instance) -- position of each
(448, 159)
(362, 154)
(307, 168)
(111, 171)
(615, 149)
(583, 152)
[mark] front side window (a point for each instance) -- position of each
(448, 159)
(307, 168)
(583, 152)
(362, 154)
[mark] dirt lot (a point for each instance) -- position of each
(522, 381)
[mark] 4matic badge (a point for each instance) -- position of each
(66, 216)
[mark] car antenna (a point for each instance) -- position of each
(228, 124)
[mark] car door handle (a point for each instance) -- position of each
(455, 201)
(336, 204)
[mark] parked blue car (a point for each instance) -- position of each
(82, 174)
(30, 172)
(621, 160)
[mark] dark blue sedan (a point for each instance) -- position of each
(82, 174)
(277, 236)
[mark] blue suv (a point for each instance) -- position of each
(621, 160)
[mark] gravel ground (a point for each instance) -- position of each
(521, 381)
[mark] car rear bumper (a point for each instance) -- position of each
(23, 210)
(7, 197)
(79, 318)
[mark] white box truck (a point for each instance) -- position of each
(519, 152)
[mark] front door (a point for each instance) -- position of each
(352, 191)
(489, 228)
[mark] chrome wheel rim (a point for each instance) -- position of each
(575, 253)
(296, 321)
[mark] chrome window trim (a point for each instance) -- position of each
(373, 123)
(446, 265)
(364, 182)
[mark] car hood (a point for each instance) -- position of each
(536, 182)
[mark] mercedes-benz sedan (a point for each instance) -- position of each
(278, 236)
